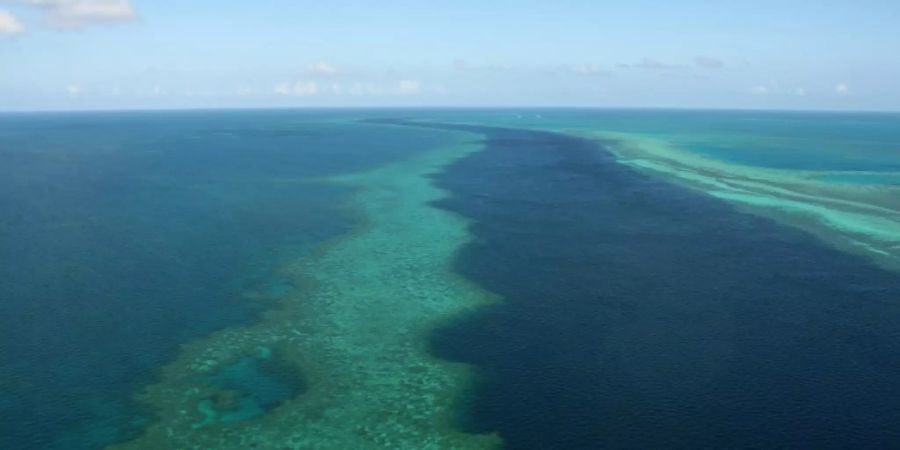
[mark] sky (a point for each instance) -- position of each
(152, 54)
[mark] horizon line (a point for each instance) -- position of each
(442, 107)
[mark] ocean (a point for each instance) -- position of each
(527, 279)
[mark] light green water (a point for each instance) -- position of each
(862, 178)
(861, 218)
(355, 330)
(834, 175)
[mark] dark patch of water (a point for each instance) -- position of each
(639, 314)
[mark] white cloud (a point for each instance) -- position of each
(651, 64)
(80, 13)
(359, 88)
(246, 92)
(298, 89)
(408, 87)
(588, 70)
(707, 62)
(842, 89)
(322, 68)
(463, 65)
(772, 87)
(401, 88)
(74, 90)
(9, 24)
(800, 91)
(365, 89)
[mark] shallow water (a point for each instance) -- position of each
(862, 178)
(315, 278)
(789, 166)
(125, 235)
(638, 314)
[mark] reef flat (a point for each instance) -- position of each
(355, 324)
(834, 175)
(642, 305)
(858, 217)
(638, 313)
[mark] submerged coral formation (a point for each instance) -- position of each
(355, 325)
(860, 217)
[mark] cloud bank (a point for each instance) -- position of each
(83, 13)
(9, 24)
(707, 62)
(326, 79)
(299, 88)
(309, 88)
(322, 68)
(588, 70)
(651, 64)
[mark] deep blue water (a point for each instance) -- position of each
(792, 140)
(638, 314)
(124, 235)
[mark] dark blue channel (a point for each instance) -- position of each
(638, 314)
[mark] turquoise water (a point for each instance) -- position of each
(639, 313)
(786, 140)
(793, 167)
(606, 278)
(125, 235)
(862, 178)
(250, 387)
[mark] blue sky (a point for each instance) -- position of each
(115, 54)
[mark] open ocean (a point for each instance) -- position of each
(524, 279)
